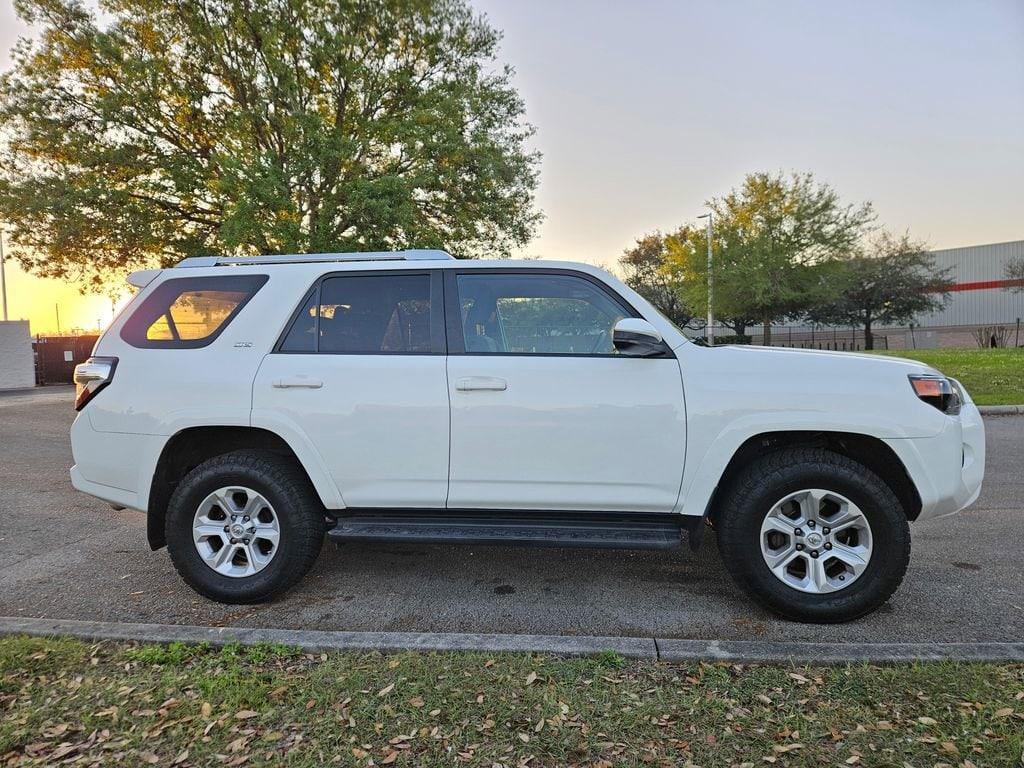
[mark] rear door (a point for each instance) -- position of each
(544, 413)
(361, 373)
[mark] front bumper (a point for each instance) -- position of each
(947, 469)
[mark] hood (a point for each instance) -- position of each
(756, 355)
(840, 391)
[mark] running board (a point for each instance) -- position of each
(539, 529)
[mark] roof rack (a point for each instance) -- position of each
(312, 258)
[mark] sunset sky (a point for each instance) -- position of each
(646, 109)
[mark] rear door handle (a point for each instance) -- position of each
(481, 384)
(297, 382)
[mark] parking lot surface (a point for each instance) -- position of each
(64, 555)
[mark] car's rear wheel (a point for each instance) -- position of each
(244, 526)
(813, 535)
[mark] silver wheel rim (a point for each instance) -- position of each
(236, 531)
(816, 541)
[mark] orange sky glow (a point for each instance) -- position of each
(646, 110)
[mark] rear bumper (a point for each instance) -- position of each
(116, 467)
(947, 469)
(108, 493)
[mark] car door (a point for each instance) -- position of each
(544, 413)
(360, 374)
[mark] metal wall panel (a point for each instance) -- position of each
(981, 306)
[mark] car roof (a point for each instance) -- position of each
(318, 264)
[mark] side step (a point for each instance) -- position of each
(618, 530)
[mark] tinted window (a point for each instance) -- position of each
(302, 335)
(536, 314)
(365, 314)
(189, 312)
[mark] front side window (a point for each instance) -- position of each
(364, 314)
(189, 312)
(552, 314)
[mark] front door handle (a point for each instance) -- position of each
(297, 382)
(481, 384)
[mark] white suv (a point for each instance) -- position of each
(249, 406)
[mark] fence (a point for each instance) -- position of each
(804, 337)
(57, 356)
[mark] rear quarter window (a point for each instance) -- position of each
(189, 312)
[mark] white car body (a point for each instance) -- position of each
(506, 432)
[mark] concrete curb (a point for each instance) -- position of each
(1001, 410)
(316, 640)
(746, 651)
(835, 653)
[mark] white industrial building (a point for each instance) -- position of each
(17, 365)
(983, 297)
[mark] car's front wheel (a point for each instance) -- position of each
(244, 526)
(813, 535)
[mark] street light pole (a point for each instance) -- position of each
(711, 282)
(3, 276)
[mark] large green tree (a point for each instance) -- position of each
(890, 283)
(646, 272)
(686, 264)
(776, 239)
(161, 129)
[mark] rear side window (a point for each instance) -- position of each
(365, 314)
(189, 312)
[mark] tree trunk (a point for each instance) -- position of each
(869, 337)
(766, 339)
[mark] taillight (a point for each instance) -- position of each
(91, 377)
(937, 391)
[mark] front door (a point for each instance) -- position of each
(544, 413)
(361, 374)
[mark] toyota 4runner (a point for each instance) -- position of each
(251, 406)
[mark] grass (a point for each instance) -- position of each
(110, 704)
(992, 376)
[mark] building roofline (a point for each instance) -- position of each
(978, 245)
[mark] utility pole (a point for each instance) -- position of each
(3, 277)
(711, 282)
(57, 307)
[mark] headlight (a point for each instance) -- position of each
(937, 391)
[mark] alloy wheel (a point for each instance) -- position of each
(816, 541)
(236, 531)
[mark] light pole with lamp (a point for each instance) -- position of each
(3, 276)
(711, 283)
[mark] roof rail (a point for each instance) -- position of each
(311, 258)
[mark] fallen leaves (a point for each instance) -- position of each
(509, 711)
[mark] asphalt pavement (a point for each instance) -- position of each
(64, 555)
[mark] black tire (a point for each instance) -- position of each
(300, 516)
(766, 481)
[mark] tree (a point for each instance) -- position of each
(687, 263)
(775, 239)
(183, 127)
(1014, 272)
(891, 284)
(646, 273)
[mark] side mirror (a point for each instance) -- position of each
(634, 337)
